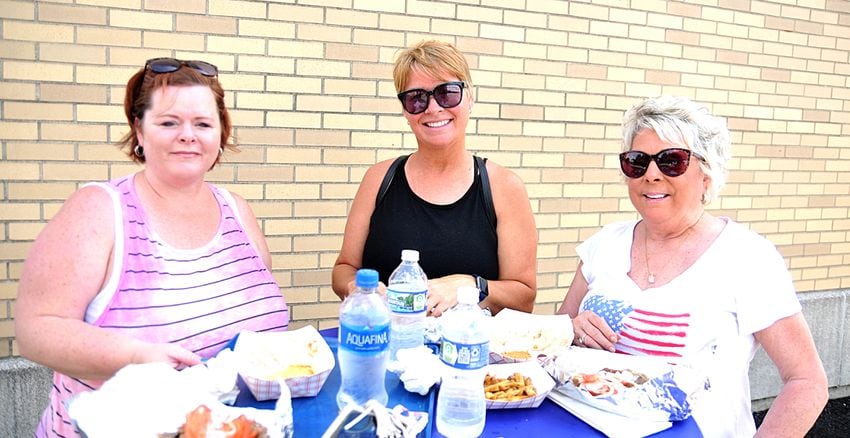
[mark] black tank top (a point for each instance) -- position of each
(459, 238)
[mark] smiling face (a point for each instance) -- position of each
(660, 198)
(438, 126)
(180, 132)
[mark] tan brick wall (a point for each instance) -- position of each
(313, 103)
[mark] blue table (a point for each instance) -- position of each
(313, 415)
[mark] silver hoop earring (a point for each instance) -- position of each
(139, 151)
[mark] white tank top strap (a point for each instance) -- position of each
(104, 296)
(234, 207)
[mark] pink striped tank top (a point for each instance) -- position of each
(198, 298)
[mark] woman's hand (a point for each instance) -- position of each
(172, 354)
(442, 292)
(592, 331)
(381, 289)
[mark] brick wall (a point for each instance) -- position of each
(310, 85)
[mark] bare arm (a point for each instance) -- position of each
(350, 257)
(67, 266)
(252, 227)
(589, 328)
(789, 344)
(516, 287)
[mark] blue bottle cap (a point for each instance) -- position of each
(367, 278)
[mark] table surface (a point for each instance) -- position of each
(313, 415)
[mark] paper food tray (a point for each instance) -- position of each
(519, 336)
(541, 380)
(637, 387)
(266, 357)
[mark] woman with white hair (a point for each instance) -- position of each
(690, 287)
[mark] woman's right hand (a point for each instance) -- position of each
(592, 331)
(172, 354)
(381, 289)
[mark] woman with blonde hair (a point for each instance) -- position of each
(469, 218)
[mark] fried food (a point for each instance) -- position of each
(517, 355)
(294, 370)
(515, 387)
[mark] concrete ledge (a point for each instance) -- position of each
(828, 316)
(24, 387)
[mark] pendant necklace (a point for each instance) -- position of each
(650, 278)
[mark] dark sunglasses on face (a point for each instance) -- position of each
(448, 95)
(671, 162)
(169, 65)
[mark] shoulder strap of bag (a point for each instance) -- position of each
(485, 188)
(388, 179)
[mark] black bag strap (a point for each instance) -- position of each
(388, 179)
(485, 189)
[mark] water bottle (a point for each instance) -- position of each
(465, 350)
(364, 339)
(407, 291)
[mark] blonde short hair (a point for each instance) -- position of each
(432, 57)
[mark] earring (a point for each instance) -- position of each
(220, 151)
(139, 151)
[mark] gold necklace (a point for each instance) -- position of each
(650, 278)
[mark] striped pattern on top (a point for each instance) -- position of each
(198, 298)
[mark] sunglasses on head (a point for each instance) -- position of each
(446, 95)
(169, 65)
(671, 162)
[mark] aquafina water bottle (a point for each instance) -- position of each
(465, 349)
(364, 339)
(407, 291)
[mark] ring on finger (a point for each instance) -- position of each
(581, 339)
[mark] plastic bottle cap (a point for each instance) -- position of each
(410, 255)
(366, 278)
(467, 295)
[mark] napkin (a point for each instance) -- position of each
(146, 400)
(418, 369)
(608, 423)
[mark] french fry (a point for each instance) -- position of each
(514, 387)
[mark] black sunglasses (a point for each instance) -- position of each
(169, 65)
(446, 95)
(671, 162)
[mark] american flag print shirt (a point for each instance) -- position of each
(642, 331)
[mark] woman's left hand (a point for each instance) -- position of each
(592, 331)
